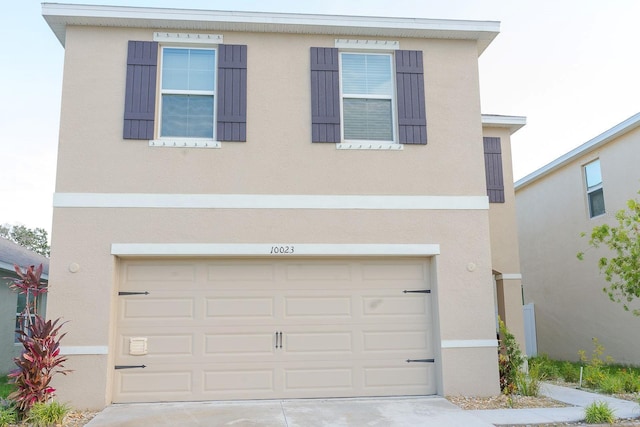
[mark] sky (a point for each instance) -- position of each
(571, 67)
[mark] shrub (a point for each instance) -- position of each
(47, 414)
(8, 414)
(510, 360)
(630, 381)
(40, 339)
(38, 363)
(594, 372)
(570, 372)
(612, 384)
(599, 413)
(529, 385)
(546, 367)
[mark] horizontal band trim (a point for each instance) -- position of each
(84, 349)
(514, 276)
(468, 343)
(266, 201)
(273, 250)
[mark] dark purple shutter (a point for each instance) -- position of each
(140, 92)
(232, 93)
(493, 169)
(325, 95)
(412, 119)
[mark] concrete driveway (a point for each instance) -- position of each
(382, 412)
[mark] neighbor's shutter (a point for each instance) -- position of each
(493, 169)
(412, 119)
(325, 95)
(140, 92)
(232, 93)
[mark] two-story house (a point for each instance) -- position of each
(261, 205)
(571, 195)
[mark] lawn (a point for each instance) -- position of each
(5, 389)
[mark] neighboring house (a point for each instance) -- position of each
(11, 303)
(258, 205)
(579, 190)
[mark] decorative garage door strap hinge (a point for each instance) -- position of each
(130, 366)
(134, 293)
(421, 360)
(419, 291)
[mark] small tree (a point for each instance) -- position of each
(510, 360)
(40, 359)
(621, 271)
(34, 239)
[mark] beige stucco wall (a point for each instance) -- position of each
(570, 306)
(278, 158)
(505, 256)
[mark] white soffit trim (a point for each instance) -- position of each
(593, 144)
(188, 38)
(84, 349)
(272, 249)
(367, 44)
(513, 123)
(468, 343)
(59, 16)
(266, 201)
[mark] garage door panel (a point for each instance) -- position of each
(409, 271)
(158, 345)
(239, 380)
(251, 344)
(260, 329)
(327, 379)
(314, 306)
(240, 307)
(318, 342)
(160, 272)
(250, 272)
(159, 309)
(402, 340)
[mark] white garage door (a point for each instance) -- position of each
(258, 329)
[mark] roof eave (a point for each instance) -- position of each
(513, 123)
(59, 16)
(589, 146)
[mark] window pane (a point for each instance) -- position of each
(592, 174)
(368, 119)
(366, 74)
(596, 203)
(187, 116)
(188, 69)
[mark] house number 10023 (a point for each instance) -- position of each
(281, 249)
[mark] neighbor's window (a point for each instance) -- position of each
(367, 96)
(595, 195)
(188, 91)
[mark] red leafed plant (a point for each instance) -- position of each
(40, 338)
(37, 364)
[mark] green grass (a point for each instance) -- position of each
(599, 413)
(607, 378)
(5, 389)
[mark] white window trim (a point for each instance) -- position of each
(186, 142)
(358, 144)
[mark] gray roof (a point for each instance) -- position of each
(12, 253)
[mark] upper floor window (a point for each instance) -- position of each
(188, 92)
(367, 97)
(202, 95)
(595, 195)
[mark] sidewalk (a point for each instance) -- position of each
(580, 399)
